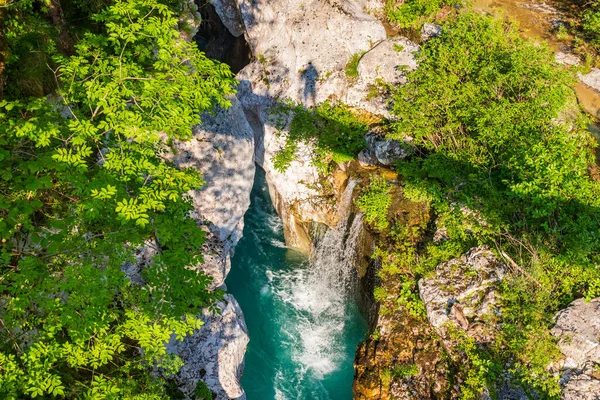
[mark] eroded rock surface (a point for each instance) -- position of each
(215, 353)
(230, 16)
(389, 60)
(430, 31)
(223, 150)
(382, 151)
(462, 291)
(578, 330)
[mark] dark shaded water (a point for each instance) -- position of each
(303, 329)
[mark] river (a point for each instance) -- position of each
(302, 317)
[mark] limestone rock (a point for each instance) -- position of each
(388, 61)
(143, 258)
(566, 58)
(578, 326)
(230, 16)
(578, 330)
(387, 151)
(440, 235)
(581, 387)
(540, 7)
(223, 151)
(189, 20)
(592, 79)
(468, 281)
(367, 159)
(302, 49)
(217, 261)
(430, 31)
(375, 7)
(215, 353)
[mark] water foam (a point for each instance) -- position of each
(316, 296)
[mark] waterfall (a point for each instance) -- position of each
(333, 259)
(319, 295)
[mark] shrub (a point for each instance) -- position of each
(504, 166)
(403, 371)
(591, 23)
(375, 202)
(413, 13)
(202, 392)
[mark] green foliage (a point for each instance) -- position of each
(352, 65)
(413, 13)
(380, 294)
(503, 161)
(336, 134)
(386, 377)
(27, 44)
(81, 192)
(202, 392)
(591, 23)
(403, 371)
(410, 300)
(398, 47)
(375, 202)
(481, 373)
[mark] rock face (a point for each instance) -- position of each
(223, 150)
(462, 292)
(430, 31)
(215, 353)
(302, 55)
(578, 330)
(386, 63)
(388, 60)
(189, 19)
(566, 58)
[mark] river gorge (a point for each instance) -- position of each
(302, 317)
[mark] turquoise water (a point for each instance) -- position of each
(303, 330)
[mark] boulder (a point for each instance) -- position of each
(189, 20)
(591, 79)
(578, 330)
(387, 151)
(367, 159)
(430, 31)
(567, 59)
(462, 291)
